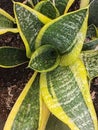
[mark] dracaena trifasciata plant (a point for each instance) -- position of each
(63, 62)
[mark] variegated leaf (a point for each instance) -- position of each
(62, 5)
(29, 22)
(47, 8)
(28, 109)
(11, 57)
(90, 59)
(66, 93)
(44, 59)
(6, 22)
(66, 34)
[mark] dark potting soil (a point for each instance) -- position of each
(12, 81)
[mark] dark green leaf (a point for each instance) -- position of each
(56, 124)
(91, 45)
(44, 59)
(11, 57)
(93, 13)
(47, 8)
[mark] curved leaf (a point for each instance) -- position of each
(11, 57)
(6, 22)
(47, 8)
(90, 59)
(92, 32)
(62, 5)
(29, 22)
(66, 34)
(27, 111)
(66, 93)
(91, 45)
(44, 59)
(24, 110)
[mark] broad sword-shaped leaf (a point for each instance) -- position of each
(66, 34)
(12, 57)
(29, 111)
(66, 93)
(6, 22)
(29, 22)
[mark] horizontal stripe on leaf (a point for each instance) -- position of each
(62, 32)
(91, 45)
(29, 23)
(66, 93)
(25, 113)
(44, 59)
(48, 9)
(90, 59)
(11, 57)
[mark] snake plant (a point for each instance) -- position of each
(64, 62)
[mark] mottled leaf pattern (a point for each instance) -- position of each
(90, 59)
(29, 24)
(66, 34)
(44, 59)
(66, 93)
(24, 108)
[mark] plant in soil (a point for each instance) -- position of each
(61, 48)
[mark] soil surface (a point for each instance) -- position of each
(12, 81)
